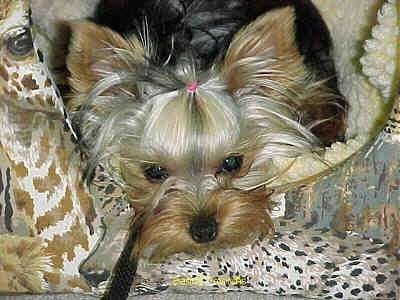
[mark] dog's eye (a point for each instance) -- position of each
(155, 173)
(232, 163)
(20, 44)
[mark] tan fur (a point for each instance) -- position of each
(92, 50)
(240, 216)
(270, 37)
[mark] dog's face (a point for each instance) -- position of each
(195, 147)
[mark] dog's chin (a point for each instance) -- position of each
(241, 217)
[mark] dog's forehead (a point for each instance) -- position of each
(193, 132)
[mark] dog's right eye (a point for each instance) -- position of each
(155, 173)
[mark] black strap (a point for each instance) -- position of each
(124, 272)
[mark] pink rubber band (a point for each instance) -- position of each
(192, 86)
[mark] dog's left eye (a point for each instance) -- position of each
(155, 173)
(232, 163)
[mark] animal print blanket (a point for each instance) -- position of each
(337, 231)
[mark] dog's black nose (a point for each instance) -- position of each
(95, 277)
(203, 230)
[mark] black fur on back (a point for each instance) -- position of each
(201, 27)
(205, 27)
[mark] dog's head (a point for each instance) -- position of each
(194, 146)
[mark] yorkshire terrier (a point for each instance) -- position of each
(188, 101)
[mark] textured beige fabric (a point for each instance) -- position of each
(238, 296)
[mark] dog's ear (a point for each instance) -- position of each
(264, 49)
(96, 52)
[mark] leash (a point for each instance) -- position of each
(124, 271)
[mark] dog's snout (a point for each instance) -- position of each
(203, 230)
(95, 277)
